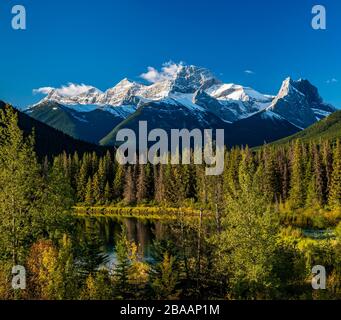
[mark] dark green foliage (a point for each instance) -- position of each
(32, 203)
(326, 129)
(51, 142)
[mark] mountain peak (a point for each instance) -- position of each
(286, 88)
(310, 91)
(190, 78)
(303, 87)
(299, 102)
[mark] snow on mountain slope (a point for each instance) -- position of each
(300, 103)
(180, 92)
(71, 94)
(124, 98)
(232, 91)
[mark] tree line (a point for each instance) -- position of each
(297, 174)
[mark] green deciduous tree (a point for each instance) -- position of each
(32, 204)
(246, 247)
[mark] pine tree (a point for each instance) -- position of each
(231, 181)
(102, 175)
(327, 159)
(165, 279)
(65, 280)
(297, 182)
(150, 181)
(118, 185)
(335, 184)
(83, 177)
(107, 193)
(94, 163)
(188, 181)
(90, 252)
(98, 287)
(270, 178)
(142, 185)
(89, 200)
(159, 184)
(284, 174)
(75, 169)
(96, 189)
(316, 186)
(129, 188)
(121, 271)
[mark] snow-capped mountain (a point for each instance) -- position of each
(188, 97)
(182, 87)
(299, 103)
(87, 96)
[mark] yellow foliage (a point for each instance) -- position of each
(41, 264)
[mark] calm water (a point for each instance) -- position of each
(109, 230)
(143, 232)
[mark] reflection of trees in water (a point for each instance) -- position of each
(181, 233)
(109, 229)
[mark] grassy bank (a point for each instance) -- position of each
(309, 218)
(138, 212)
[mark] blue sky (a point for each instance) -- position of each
(100, 42)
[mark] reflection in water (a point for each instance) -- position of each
(109, 230)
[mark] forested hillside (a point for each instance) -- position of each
(49, 141)
(328, 128)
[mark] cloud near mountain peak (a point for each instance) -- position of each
(69, 90)
(168, 71)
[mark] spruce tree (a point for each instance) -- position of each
(107, 193)
(118, 184)
(316, 187)
(129, 188)
(83, 177)
(142, 185)
(159, 183)
(121, 271)
(297, 182)
(335, 183)
(165, 279)
(89, 200)
(96, 189)
(327, 159)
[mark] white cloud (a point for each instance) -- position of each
(333, 80)
(43, 90)
(168, 72)
(70, 90)
(249, 72)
